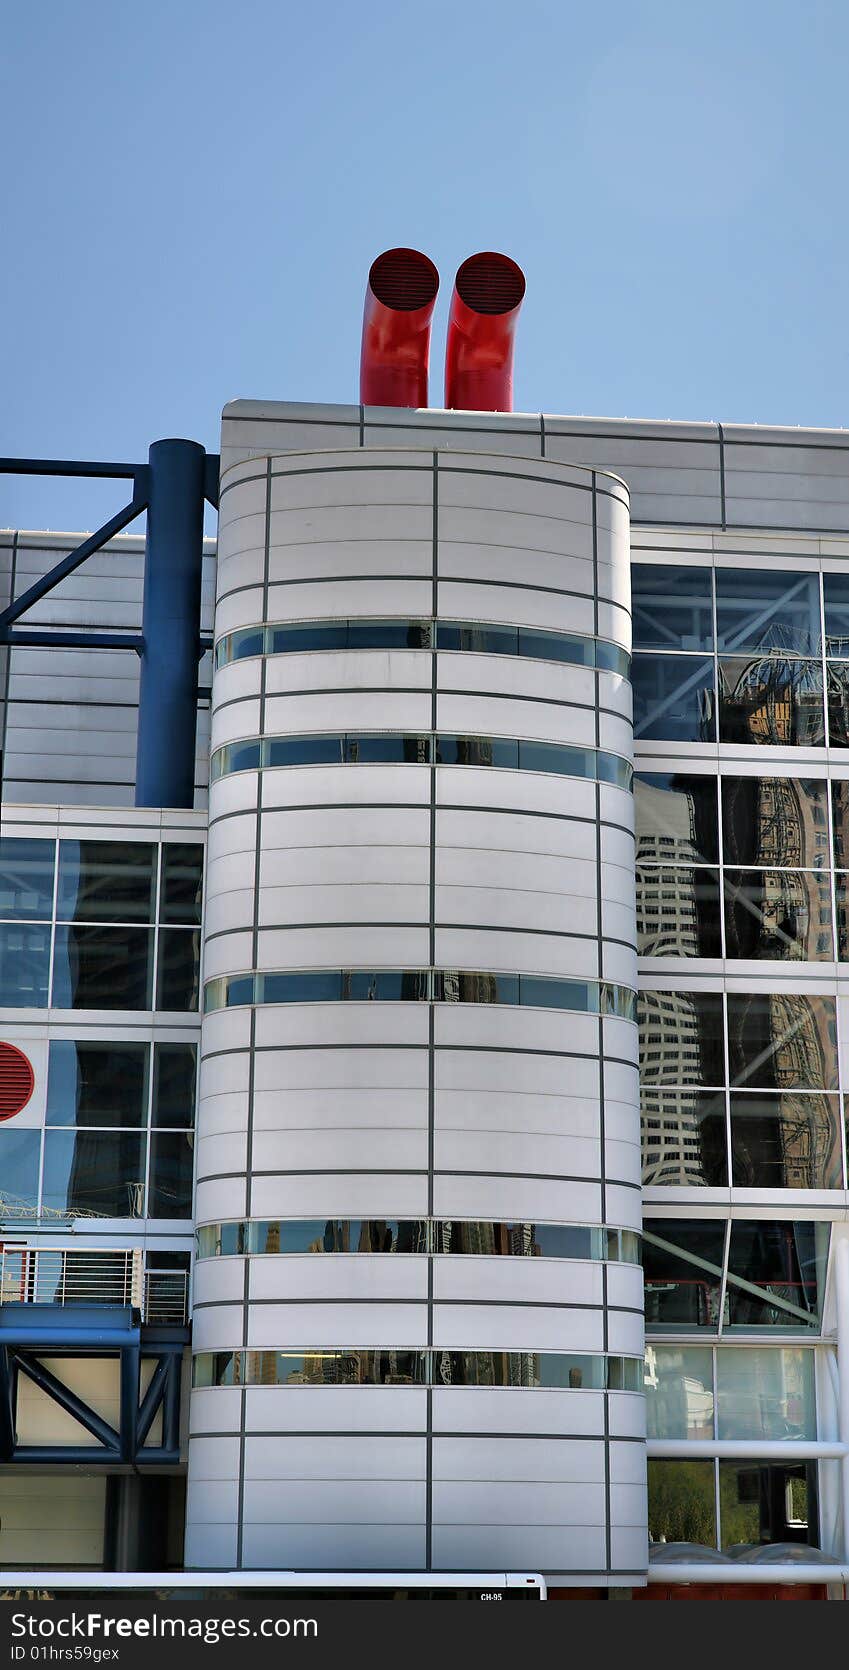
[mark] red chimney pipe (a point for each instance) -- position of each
(400, 297)
(488, 293)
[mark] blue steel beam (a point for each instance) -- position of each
(22, 638)
(168, 686)
(71, 467)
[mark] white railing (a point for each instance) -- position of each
(104, 1276)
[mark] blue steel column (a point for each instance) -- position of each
(168, 689)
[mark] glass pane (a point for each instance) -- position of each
(106, 881)
(96, 1174)
(26, 878)
(837, 703)
(782, 915)
(682, 1502)
(765, 1394)
(676, 818)
(174, 1085)
(681, 1038)
(836, 598)
(236, 756)
(673, 698)
(840, 822)
(672, 607)
(683, 1137)
(97, 1084)
(478, 637)
(24, 965)
(182, 883)
(308, 635)
(477, 750)
(786, 1142)
(678, 912)
(177, 979)
(304, 750)
(773, 822)
(682, 1265)
(841, 895)
(388, 634)
(102, 968)
(171, 1171)
(778, 1041)
(776, 1275)
(19, 1150)
(336, 1368)
(771, 701)
(559, 646)
(767, 1502)
(759, 609)
(679, 1391)
(386, 750)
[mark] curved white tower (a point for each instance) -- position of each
(418, 1321)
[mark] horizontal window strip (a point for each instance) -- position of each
(364, 1367)
(372, 633)
(419, 985)
(592, 1242)
(393, 748)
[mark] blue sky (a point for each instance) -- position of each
(193, 192)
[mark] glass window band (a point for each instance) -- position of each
(478, 637)
(419, 985)
(393, 748)
(364, 1367)
(593, 1242)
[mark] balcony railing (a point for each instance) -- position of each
(105, 1276)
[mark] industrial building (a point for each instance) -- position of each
(424, 994)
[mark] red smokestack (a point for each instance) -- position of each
(400, 297)
(488, 293)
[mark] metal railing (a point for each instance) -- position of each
(104, 1276)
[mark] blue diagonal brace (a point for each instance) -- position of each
(7, 1405)
(73, 560)
(68, 1400)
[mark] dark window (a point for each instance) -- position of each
(673, 698)
(106, 881)
(780, 915)
(682, 1266)
(781, 1041)
(177, 980)
(789, 1141)
(26, 878)
(672, 607)
(478, 638)
(102, 968)
(385, 985)
(771, 822)
(518, 1368)
(771, 700)
(681, 1038)
(767, 1502)
(678, 912)
(682, 1502)
(19, 1150)
(171, 1170)
(174, 1072)
(551, 756)
(182, 883)
(676, 818)
(477, 750)
(97, 1084)
(767, 611)
(304, 750)
(785, 1264)
(94, 1173)
(841, 891)
(387, 750)
(683, 1138)
(24, 965)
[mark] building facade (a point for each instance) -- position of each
(517, 963)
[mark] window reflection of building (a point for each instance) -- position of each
(676, 1057)
(772, 699)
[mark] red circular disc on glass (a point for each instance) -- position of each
(17, 1080)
